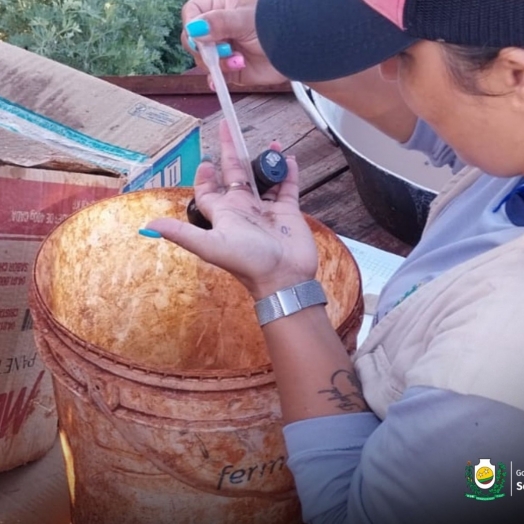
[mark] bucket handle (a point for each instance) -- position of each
(96, 394)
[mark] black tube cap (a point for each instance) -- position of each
(269, 168)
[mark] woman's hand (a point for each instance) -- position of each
(267, 245)
(233, 21)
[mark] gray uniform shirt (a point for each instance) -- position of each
(411, 466)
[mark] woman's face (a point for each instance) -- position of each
(485, 131)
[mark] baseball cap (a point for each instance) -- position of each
(318, 40)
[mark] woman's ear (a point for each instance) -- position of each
(510, 67)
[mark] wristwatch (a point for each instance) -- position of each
(289, 300)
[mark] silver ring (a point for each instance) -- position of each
(244, 184)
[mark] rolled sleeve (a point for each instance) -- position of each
(323, 454)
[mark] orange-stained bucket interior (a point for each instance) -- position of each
(153, 305)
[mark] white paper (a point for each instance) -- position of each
(376, 268)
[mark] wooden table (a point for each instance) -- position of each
(327, 187)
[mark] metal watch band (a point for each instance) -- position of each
(290, 300)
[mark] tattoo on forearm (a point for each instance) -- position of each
(346, 391)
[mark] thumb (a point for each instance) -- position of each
(234, 25)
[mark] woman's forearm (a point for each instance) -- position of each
(314, 373)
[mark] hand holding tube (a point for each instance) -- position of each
(230, 21)
(267, 245)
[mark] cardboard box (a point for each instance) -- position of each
(33, 201)
(66, 140)
(52, 116)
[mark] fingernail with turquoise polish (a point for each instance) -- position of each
(224, 50)
(192, 44)
(197, 28)
(206, 158)
(150, 233)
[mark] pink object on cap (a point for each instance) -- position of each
(393, 10)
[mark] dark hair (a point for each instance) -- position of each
(465, 62)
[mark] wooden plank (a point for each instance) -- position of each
(318, 160)
(199, 106)
(264, 118)
(338, 205)
(185, 84)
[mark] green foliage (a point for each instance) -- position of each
(100, 37)
(175, 59)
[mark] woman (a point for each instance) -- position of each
(391, 434)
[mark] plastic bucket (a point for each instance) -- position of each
(166, 398)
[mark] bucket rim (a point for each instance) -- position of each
(99, 356)
(122, 366)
